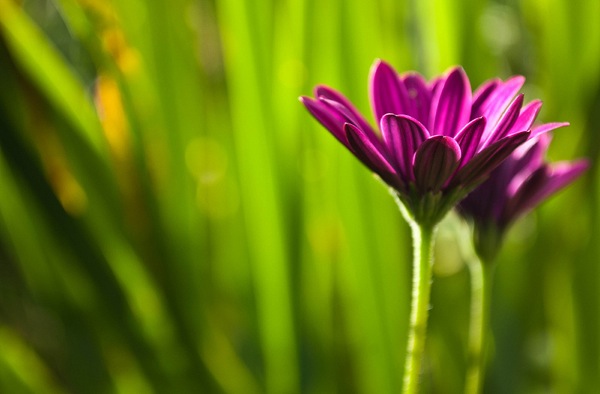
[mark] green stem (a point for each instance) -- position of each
(423, 259)
(481, 279)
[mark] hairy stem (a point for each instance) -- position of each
(423, 259)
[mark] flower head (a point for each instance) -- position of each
(523, 181)
(436, 140)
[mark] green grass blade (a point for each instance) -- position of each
(46, 68)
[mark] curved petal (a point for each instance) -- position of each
(481, 96)
(402, 136)
(327, 117)
(469, 137)
(349, 116)
(561, 174)
(545, 181)
(368, 153)
(326, 92)
(387, 92)
(484, 162)
(496, 103)
(435, 161)
(546, 127)
(526, 158)
(508, 177)
(451, 104)
(528, 115)
(506, 123)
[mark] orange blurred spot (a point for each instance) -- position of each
(126, 57)
(112, 116)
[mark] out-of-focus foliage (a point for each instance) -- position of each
(173, 221)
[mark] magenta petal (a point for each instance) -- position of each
(435, 161)
(419, 96)
(388, 93)
(546, 127)
(562, 174)
(402, 136)
(519, 166)
(367, 152)
(324, 92)
(545, 181)
(506, 123)
(327, 117)
(480, 166)
(481, 96)
(349, 116)
(468, 138)
(451, 105)
(496, 102)
(495, 105)
(526, 159)
(528, 115)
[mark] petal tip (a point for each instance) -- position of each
(350, 127)
(479, 120)
(580, 166)
(457, 71)
(516, 79)
(322, 91)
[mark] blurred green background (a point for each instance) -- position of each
(173, 221)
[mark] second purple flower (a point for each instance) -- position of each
(436, 140)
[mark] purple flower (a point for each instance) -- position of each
(436, 140)
(519, 184)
